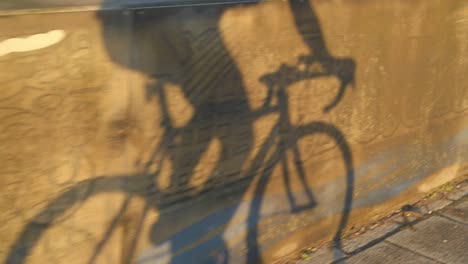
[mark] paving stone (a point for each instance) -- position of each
(458, 212)
(370, 237)
(460, 191)
(435, 206)
(323, 256)
(383, 253)
(438, 238)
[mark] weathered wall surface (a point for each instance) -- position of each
(222, 133)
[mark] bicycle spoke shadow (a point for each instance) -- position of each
(212, 84)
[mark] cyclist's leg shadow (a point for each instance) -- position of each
(186, 148)
(203, 241)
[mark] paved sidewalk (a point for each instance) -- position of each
(434, 230)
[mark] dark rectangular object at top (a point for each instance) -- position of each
(11, 5)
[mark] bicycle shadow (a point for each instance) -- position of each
(183, 46)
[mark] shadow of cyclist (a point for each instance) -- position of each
(183, 46)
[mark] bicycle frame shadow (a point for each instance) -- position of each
(206, 75)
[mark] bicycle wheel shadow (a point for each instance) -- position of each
(183, 46)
